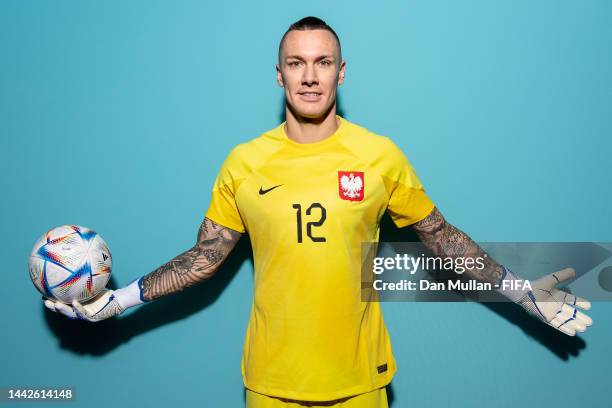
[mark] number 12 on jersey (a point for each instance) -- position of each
(310, 224)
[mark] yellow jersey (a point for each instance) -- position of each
(307, 208)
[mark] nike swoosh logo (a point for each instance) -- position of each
(262, 191)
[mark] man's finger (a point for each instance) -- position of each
(50, 305)
(560, 324)
(581, 302)
(578, 301)
(566, 329)
(572, 299)
(567, 312)
(565, 316)
(65, 310)
(584, 318)
(80, 311)
(577, 325)
(564, 274)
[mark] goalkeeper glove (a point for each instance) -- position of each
(107, 304)
(546, 302)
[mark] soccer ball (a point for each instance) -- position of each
(70, 263)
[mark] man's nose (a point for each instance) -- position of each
(310, 75)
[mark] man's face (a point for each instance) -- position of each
(310, 70)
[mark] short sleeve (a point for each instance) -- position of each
(408, 202)
(223, 208)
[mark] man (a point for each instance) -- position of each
(309, 192)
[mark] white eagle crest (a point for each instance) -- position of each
(351, 185)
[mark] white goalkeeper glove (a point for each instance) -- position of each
(553, 306)
(107, 304)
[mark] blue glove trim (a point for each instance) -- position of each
(141, 293)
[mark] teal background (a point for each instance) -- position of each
(117, 115)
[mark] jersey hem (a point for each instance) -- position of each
(404, 223)
(214, 218)
(321, 397)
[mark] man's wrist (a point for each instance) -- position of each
(130, 295)
(511, 286)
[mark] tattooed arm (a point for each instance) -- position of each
(445, 240)
(193, 266)
(543, 300)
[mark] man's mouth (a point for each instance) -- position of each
(310, 96)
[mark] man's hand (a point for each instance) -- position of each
(107, 304)
(557, 307)
(102, 307)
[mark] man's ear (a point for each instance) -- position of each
(279, 76)
(342, 72)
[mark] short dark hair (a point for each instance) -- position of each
(310, 23)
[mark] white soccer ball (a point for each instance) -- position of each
(70, 263)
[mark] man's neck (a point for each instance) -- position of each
(306, 130)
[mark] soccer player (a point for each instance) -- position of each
(308, 193)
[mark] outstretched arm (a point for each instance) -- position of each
(444, 239)
(193, 266)
(544, 301)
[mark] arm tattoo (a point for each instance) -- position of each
(444, 239)
(194, 265)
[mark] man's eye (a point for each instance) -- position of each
(326, 62)
(294, 63)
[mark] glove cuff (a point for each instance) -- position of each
(511, 286)
(131, 295)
